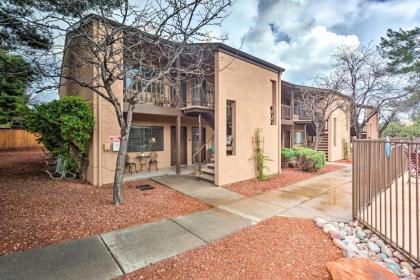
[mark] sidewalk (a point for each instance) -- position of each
(115, 253)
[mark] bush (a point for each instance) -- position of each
(309, 159)
(65, 127)
(288, 153)
(287, 157)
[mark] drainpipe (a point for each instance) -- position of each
(279, 122)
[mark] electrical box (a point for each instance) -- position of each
(115, 146)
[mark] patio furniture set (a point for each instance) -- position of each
(146, 161)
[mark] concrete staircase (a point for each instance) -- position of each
(207, 173)
(323, 144)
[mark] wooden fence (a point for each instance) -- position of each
(17, 139)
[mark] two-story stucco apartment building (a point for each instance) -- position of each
(218, 117)
(297, 124)
(214, 125)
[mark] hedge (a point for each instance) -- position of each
(307, 158)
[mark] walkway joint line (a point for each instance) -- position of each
(199, 237)
(112, 255)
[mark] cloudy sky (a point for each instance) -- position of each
(301, 35)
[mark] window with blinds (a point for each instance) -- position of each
(145, 139)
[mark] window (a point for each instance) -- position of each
(230, 127)
(145, 138)
(273, 108)
(335, 132)
(298, 137)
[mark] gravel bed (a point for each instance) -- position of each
(37, 211)
(287, 177)
(278, 248)
(359, 242)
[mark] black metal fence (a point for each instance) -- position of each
(386, 199)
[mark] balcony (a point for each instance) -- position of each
(302, 114)
(286, 112)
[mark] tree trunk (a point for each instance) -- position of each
(119, 172)
(316, 141)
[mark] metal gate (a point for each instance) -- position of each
(386, 191)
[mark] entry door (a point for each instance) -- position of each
(286, 138)
(183, 145)
(196, 143)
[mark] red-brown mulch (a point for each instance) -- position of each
(287, 177)
(344, 161)
(36, 211)
(278, 248)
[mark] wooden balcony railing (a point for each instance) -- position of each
(286, 112)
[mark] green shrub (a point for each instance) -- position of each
(65, 127)
(309, 159)
(288, 153)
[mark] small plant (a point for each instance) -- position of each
(260, 157)
(309, 159)
(346, 150)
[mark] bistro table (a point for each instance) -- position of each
(143, 158)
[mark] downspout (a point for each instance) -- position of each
(279, 122)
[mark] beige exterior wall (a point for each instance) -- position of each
(101, 163)
(338, 134)
(372, 127)
(249, 85)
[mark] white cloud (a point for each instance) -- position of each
(301, 35)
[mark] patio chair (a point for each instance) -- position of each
(130, 164)
(153, 160)
(61, 170)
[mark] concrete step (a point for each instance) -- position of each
(210, 165)
(207, 171)
(206, 177)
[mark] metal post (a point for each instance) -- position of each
(178, 122)
(199, 141)
(178, 143)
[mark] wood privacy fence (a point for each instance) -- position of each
(17, 139)
(386, 197)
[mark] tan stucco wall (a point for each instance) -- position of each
(250, 87)
(336, 152)
(101, 163)
(372, 127)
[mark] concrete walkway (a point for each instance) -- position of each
(327, 195)
(115, 253)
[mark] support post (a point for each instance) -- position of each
(199, 141)
(178, 120)
(178, 143)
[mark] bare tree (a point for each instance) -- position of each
(319, 104)
(360, 74)
(146, 47)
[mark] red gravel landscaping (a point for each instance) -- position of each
(278, 248)
(37, 211)
(287, 177)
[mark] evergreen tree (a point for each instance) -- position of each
(15, 76)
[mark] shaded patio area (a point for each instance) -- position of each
(185, 170)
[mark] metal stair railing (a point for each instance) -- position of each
(198, 152)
